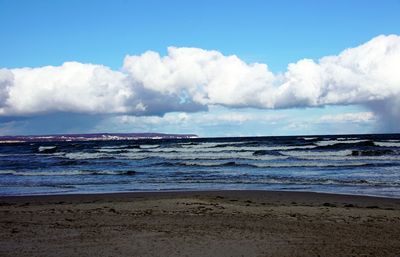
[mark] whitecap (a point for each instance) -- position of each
(388, 144)
(46, 148)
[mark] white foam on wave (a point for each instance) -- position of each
(347, 138)
(334, 142)
(388, 143)
(229, 148)
(5, 172)
(275, 165)
(291, 181)
(114, 147)
(149, 146)
(45, 148)
(206, 145)
(118, 150)
(182, 155)
(351, 158)
(204, 155)
(205, 164)
(109, 150)
(85, 155)
(317, 154)
(290, 147)
(308, 138)
(307, 164)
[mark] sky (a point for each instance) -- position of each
(213, 68)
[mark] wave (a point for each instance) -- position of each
(344, 153)
(67, 172)
(342, 140)
(201, 164)
(322, 165)
(201, 145)
(111, 172)
(392, 143)
(380, 152)
(117, 148)
(188, 143)
(281, 150)
(317, 153)
(308, 138)
(334, 144)
(266, 152)
(275, 165)
(286, 180)
(112, 150)
(88, 156)
(229, 149)
(214, 164)
(218, 149)
(347, 138)
(47, 149)
(223, 156)
(238, 144)
(131, 147)
(235, 144)
(393, 158)
(149, 146)
(71, 162)
(81, 146)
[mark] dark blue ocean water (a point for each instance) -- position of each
(356, 164)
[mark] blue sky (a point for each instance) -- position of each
(276, 33)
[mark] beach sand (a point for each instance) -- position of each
(218, 223)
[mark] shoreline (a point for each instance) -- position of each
(194, 191)
(168, 193)
(200, 223)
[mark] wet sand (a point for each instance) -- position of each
(218, 223)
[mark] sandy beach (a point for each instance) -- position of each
(218, 223)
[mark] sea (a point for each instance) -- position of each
(344, 164)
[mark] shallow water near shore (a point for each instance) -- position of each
(355, 164)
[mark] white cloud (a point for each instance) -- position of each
(359, 117)
(79, 88)
(72, 87)
(198, 119)
(191, 79)
(357, 75)
(6, 81)
(206, 77)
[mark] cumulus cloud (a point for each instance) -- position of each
(191, 79)
(80, 88)
(6, 81)
(71, 87)
(363, 74)
(206, 77)
(357, 75)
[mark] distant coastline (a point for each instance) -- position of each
(92, 137)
